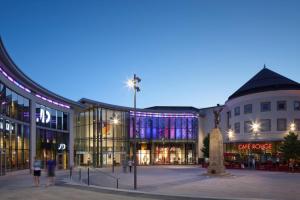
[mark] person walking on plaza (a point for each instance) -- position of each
(253, 163)
(51, 165)
(291, 165)
(37, 165)
(130, 165)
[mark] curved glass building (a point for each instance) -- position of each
(33, 120)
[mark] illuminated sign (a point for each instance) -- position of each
(62, 147)
(44, 116)
(255, 146)
(8, 126)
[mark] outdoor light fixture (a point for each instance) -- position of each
(292, 126)
(230, 133)
(255, 126)
(133, 84)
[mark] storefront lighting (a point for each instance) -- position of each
(255, 126)
(13, 81)
(292, 126)
(230, 133)
(115, 121)
(51, 101)
(151, 114)
(29, 91)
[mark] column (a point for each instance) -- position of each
(71, 138)
(32, 132)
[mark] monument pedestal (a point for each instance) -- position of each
(216, 155)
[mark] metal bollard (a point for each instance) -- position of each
(71, 172)
(80, 174)
(117, 183)
(88, 176)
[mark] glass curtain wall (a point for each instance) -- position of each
(98, 141)
(14, 130)
(165, 138)
(52, 135)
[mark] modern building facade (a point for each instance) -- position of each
(269, 101)
(35, 122)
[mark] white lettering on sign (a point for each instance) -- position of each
(44, 116)
(62, 147)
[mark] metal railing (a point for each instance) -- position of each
(80, 173)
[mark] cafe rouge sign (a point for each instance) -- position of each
(255, 146)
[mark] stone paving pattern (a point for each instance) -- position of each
(169, 180)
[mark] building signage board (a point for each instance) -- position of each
(44, 116)
(255, 146)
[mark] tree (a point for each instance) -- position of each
(291, 146)
(205, 148)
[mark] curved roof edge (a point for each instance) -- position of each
(17, 73)
(124, 108)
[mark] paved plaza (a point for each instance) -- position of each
(162, 180)
(190, 181)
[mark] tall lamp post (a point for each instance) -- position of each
(114, 119)
(133, 84)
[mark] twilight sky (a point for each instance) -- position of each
(188, 53)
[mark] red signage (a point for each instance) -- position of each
(255, 146)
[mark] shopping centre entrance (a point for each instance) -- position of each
(166, 153)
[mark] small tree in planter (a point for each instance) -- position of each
(290, 147)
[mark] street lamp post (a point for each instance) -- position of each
(133, 83)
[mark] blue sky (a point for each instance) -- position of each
(188, 53)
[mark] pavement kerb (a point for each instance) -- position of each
(142, 194)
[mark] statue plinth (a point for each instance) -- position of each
(216, 156)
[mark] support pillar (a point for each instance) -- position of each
(71, 139)
(32, 133)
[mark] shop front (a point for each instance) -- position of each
(52, 136)
(252, 154)
(168, 153)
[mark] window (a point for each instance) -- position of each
(247, 108)
(281, 105)
(265, 106)
(281, 124)
(297, 105)
(237, 127)
(247, 127)
(236, 111)
(297, 123)
(265, 125)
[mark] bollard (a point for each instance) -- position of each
(88, 176)
(117, 183)
(80, 174)
(71, 172)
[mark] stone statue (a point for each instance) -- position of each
(217, 117)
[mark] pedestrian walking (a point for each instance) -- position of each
(51, 165)
(291, 165)
(130, 165)
(253, 163)
(37, 165)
